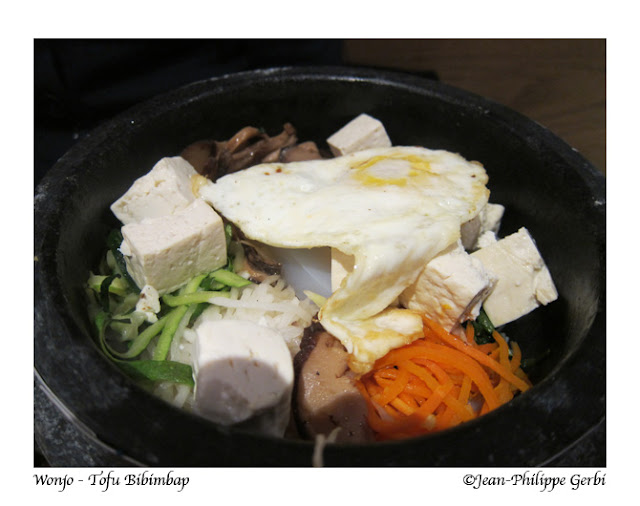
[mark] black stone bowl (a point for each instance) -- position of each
(544, 184)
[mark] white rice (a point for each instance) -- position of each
(271, 303)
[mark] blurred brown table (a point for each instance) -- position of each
(560, 83)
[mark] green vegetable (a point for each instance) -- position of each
(114, 240)
(168, 332)
(152, 370)
(197, 312)
(211, 285)
(117, 286)
(126, 306)
(483, 328)
(127, 325)
(194, 284)
(159, 370)
(140, 343)
(174, 319)
(191, 298)
(229, 278)
(105, 301)
(228, 233)
(117, 295)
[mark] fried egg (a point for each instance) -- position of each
(393, 209)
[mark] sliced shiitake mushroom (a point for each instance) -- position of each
(249, 146)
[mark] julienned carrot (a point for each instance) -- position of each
(469, 333)
(465, 390)
(487, 348)
(439, 381)
(503, 390)
(504, 349)
(458, 344)
(444, 355)
(433, 384)
(391, 391)
(517, 356)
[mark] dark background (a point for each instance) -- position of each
(560, 83)
(81, 83)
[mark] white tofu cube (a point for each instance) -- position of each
(168, 251)
(487, 238)
(242, 370)
(164, 190)
(450, 289)
(362, 132)
(149, 303)
(524, 281)
(487, 220)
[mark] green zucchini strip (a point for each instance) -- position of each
(142, 340)
(191, 298)
(138, 345)
(114, 240)
(168, 332)
(159, 370)
(174, 318)
(165, 370)
(229, 278)
(117, 286)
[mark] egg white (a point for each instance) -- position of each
(393, 209)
